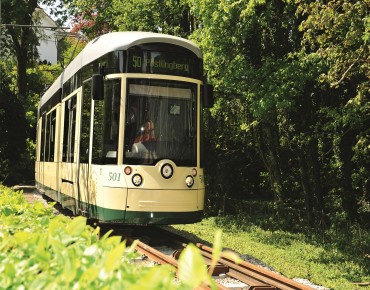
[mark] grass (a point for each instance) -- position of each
(331, 264)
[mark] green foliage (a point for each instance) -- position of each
(5, 92)
(170, 16)
(337, 32)
(192, 269)
(334, 260)
(291, 81)
(338, 22)
(18, 121)
(72, 48)
(12, 126)
(95, 17)
(22, 82)
(40, 250)
(92, 17)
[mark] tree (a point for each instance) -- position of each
(21, 40)
(246, 48)
(302, 95)
(96, 17)
(20, 36)
(18, 101)
(170, 16)
(338, 33)
(91, 17)
(12, 127)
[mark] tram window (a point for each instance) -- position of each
(50, 136)
(69, 129)
(47, 138)
(97, 148)
(160, 122)
(42, 147)
(106, 124)
(85, 123)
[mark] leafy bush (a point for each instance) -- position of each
(40, 250)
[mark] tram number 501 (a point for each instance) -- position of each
(114, 176)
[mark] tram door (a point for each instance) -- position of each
(84, 164)
(39, 169)
(70, 152)
(50, 164)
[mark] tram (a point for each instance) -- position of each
(119, 132)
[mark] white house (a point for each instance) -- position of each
(48, 48)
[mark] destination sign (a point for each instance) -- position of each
(169, 63)
(160, 64)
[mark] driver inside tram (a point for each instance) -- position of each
(147, 133)
(145, 142)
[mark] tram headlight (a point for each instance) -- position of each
(137, 180)
(167, 171)
(189, 181)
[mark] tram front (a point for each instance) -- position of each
(158, 141)
(161, 152)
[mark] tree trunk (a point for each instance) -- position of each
(346, 153)
(22, 65)
(267, 140)
(309, 169)
(317, 188)
(306, 186)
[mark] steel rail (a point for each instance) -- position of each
(244, 271)
(163, 259)
(155, 255)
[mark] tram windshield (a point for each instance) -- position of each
(160, 122)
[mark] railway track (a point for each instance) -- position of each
(247, 275)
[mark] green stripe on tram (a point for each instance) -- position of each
(130, 217)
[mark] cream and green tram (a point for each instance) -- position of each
(119, 131)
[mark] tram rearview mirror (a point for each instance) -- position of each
(208, 98)
(97, 91)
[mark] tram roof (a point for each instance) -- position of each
(112, 42)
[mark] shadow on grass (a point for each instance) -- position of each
(348, 246)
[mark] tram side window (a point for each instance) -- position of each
(97, 150)
(42, 147)
(111, 120)
(69, 129)
(47, 138)
(50, 122)
(106, 124)
(85, 123)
